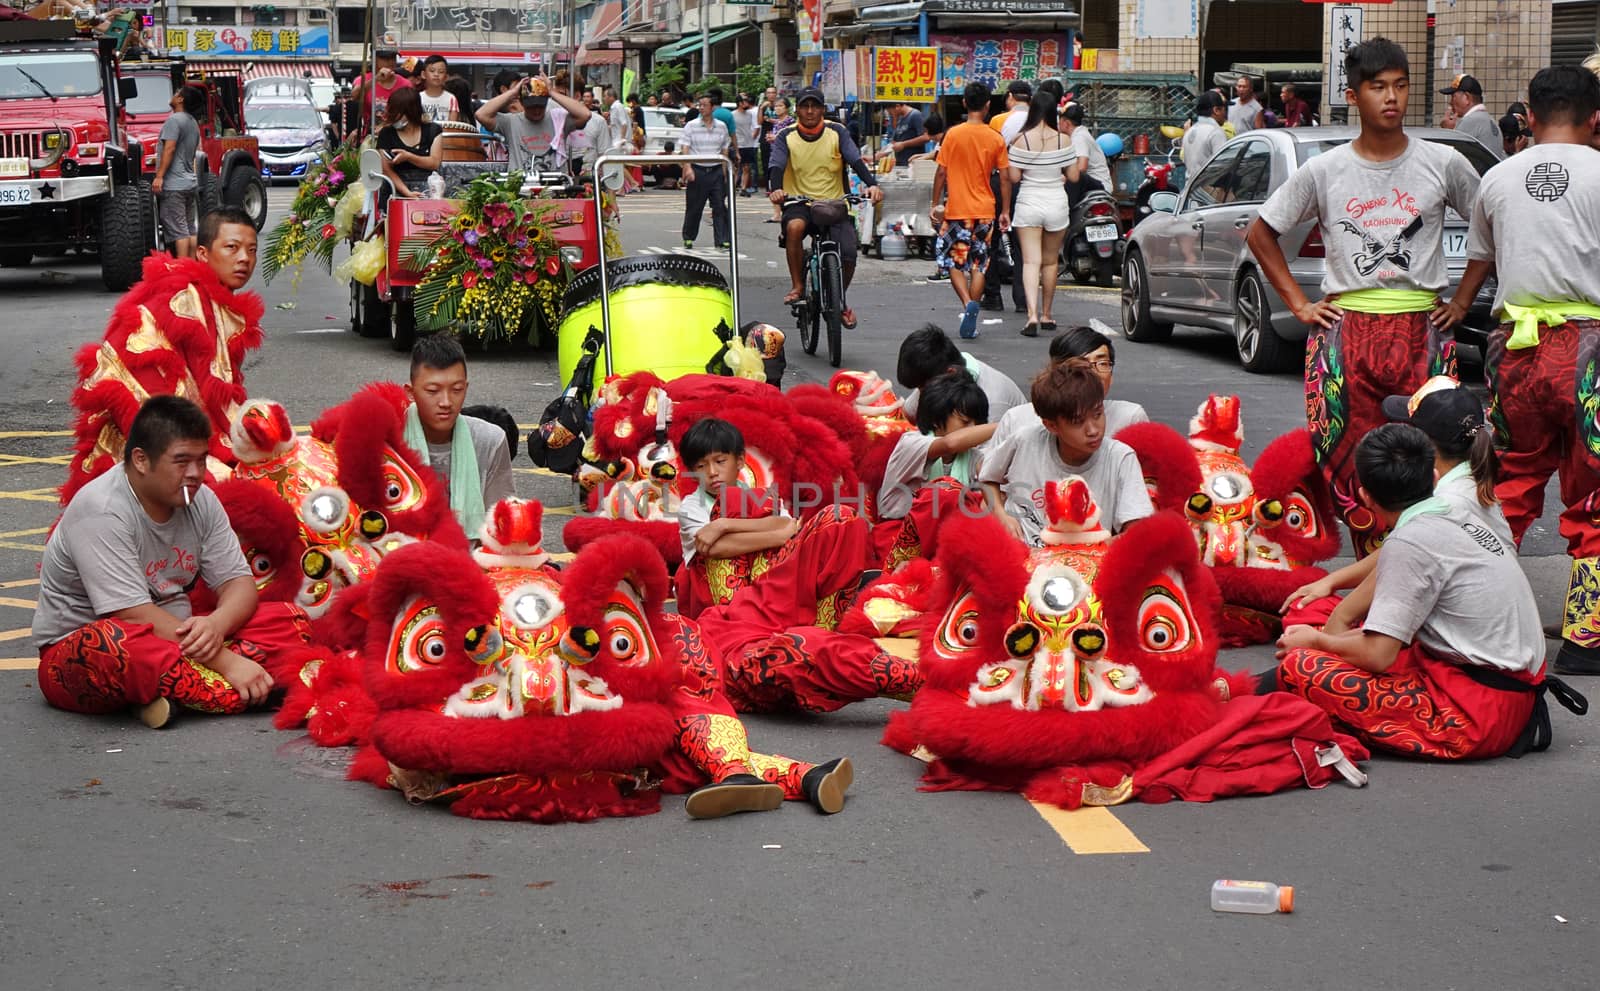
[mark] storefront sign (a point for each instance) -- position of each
(997, 61)
(905, 74)
(225, 40)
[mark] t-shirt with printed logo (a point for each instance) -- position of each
(1537, 216)
(1382, 222)
(107, 554)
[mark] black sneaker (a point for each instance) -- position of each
(994, 304)
(1577, 660)
(733, 794)
(826, 784)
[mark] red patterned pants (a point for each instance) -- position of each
(110, 664)
(775, 635)
(1420, 707)
(1351, 368)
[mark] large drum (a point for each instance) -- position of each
(665, 312)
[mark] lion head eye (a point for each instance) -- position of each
(1163, 621)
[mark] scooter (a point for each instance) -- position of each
(1094, 239)
(1157, 178)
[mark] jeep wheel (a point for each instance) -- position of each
(369, 314)
(127, 217)
(246, 191)
(210, 195)
(402, 325)
(15, 257)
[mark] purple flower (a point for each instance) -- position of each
(336, 176)
(471, 237)
(485, 264)
(522, 242)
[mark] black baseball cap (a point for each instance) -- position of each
(810, 93)
(1021, 89)
(1465, 84)
(1442, 408)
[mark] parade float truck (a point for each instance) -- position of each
(231, 159)
(70, 176)
(431, 275)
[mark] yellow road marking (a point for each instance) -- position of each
(32, 495)
(13, 546)
(25, 533)
(15, 634)
(9, 460)
(18, 603)
(558, 510)
(19, 663)
(546, 472)
(35, 433)
(19, 583)
(1090, 829)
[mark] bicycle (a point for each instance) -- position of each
(823, 298)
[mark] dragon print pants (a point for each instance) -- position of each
(109, 664)
(1351, 368)
(1544, 405)
(1420, 707)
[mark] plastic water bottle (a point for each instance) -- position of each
(435, 186)
(1254, 897)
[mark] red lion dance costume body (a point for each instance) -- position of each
(1084, 672)
(1259, 528)
(180, 332)
(521, 696)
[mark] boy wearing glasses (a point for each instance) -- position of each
(1096, 348)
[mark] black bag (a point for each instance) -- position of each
(557, 442)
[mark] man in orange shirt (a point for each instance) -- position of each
(970, 153)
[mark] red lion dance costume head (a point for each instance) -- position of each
(1259, 528)
(1066, 671)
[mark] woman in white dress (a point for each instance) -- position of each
(1041, 158)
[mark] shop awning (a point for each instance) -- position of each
(986, 13)
(249, 69)
(690, 42)
(599, 56)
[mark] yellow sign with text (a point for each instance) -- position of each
(905, 74)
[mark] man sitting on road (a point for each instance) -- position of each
(808, 160)
(114, 626)
(184, 329)
(469, 454)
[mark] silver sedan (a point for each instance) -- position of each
(1188, 262)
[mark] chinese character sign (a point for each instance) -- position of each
(905, 74)
(997, 61)
(225, 41)
(1346, 34)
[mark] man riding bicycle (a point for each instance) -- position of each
(808, 160)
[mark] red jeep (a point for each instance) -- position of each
(232, 174)
(69, 175)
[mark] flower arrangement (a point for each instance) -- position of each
(496, 271)
(311, 229)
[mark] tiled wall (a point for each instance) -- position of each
(1154, 54)
(1503, 43)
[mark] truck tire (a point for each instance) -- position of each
(245, 190)
(210, 194)
(402, 325)
(127, 233)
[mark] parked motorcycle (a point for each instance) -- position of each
(1157, 178)
(1093, 245)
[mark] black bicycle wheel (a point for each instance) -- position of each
(810, 312)
(833, 306)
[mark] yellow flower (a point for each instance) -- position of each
(498, 254)
(464, 221)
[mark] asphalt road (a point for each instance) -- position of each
(224, 854)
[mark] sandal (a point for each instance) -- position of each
(847, 317)
(1047, 326)
(793, 297)
(1031, 330)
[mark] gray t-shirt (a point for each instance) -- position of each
(1243, 115)
(1537, 218)
(1201, 143)
(1382, 222)
(107, 554)
(1094, 158)
(1030, 458)
(906, 470)
(1480, 124)
(1119, 413)
(997, 385)
(1446, 581)
(494, 461)
(527, 141)
(744, 128)
(1460, 490)
(183, 134)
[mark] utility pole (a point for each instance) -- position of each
(705, 41)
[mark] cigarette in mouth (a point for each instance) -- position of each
(186, 501)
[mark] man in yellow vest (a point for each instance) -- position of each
(808, 160)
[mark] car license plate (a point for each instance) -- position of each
(15, 195)
(11, 168)
(1101, 232)
(1455, 244)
